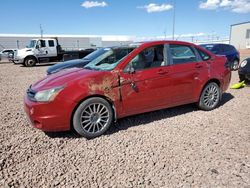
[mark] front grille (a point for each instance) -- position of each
(31, 94)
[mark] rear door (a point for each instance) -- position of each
(148, 87)
(52, 52)
(187, 70)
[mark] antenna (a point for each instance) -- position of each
(174, 3)
(41, 30)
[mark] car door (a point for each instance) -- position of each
(42, 50)
(51, 50)
(148, 87)
(186, 68)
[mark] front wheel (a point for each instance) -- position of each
(93, 117)
(210, 97)
(30, 62)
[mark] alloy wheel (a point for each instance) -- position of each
(94, 117)
(211, 96)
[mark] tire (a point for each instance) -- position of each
(235, 65)
(30, 62)
(210, 97)
(93, 117)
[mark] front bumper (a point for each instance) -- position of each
(54, 116)
(17, 61)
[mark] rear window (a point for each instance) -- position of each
(182, 54)
(229, 48)
(51, 43)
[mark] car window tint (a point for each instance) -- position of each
(51, 43)
(43, 44)
(182, 54)
(204, 55)
(148, 58)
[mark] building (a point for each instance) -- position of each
(67, 42)
(240, 35)
(240, 38)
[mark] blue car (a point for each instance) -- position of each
(74, 63)
(228, 50)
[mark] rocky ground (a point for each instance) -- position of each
(177, 147)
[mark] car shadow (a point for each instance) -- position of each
(145, 118)
(39, 65)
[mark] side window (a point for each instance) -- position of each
(216, 49)
(248, 34)
(148, 58)
(43, 44)
(182, 54)
(51, 43)
(204, 55)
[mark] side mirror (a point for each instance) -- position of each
(37, 46)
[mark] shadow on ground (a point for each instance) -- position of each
(39, 65)
(145, 118)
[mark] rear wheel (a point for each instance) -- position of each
(210, 97)
(93, 117)
(235, 64)
(30, 62)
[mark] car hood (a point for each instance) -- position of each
(67, 64)
(23, 51)
(62, 78)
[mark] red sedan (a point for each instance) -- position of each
(124, 81)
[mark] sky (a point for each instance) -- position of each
(141, 18)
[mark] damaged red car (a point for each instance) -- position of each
(124, 81)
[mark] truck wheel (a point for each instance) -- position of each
(93, 117)
(210, 97)
(30, 62)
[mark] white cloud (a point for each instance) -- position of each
(238, 6)
(210, 4)
(152, 7)
(91, 4)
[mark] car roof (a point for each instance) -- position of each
(215, 44)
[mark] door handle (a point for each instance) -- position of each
(161, 71)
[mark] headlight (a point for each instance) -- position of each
(243, 63)
(48, 95)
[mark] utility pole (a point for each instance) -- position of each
(41, 30)
(174, 3)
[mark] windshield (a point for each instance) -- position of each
(108, 58)
(94, 54)
(32, 44)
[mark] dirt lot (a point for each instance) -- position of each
(178, 147)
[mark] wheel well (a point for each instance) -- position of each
(237, 59)
(209, 81)
(92, 96)
(213, 80)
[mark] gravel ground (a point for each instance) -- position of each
(177, 147)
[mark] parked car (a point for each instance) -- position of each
(125, 81)
(6, 54)
(244, 70)
(76, 63)
(228, 50)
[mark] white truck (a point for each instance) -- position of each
(45, 50)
